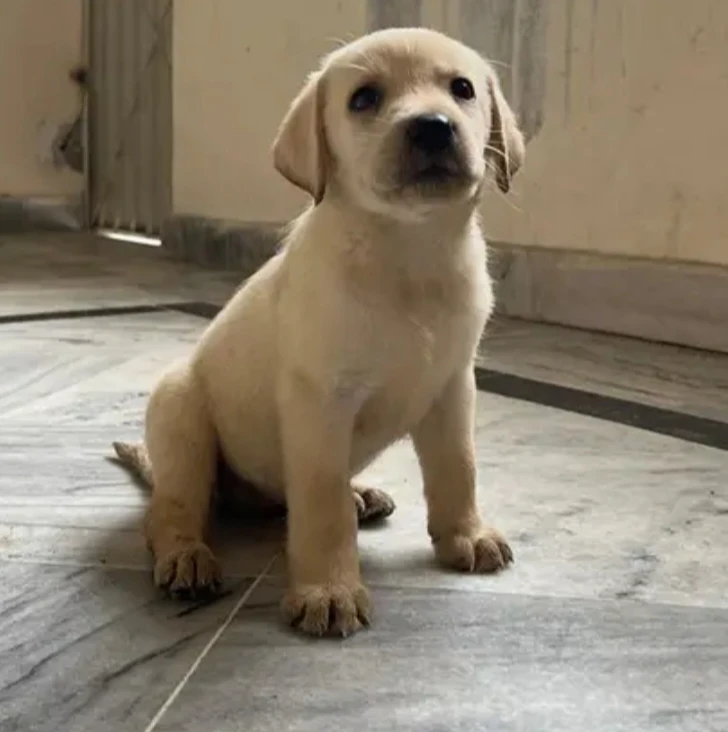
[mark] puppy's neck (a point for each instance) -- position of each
(435, 236)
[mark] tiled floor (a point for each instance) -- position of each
(614, 617)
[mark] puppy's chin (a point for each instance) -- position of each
(427, 189)
(419, 200)
(435, 182)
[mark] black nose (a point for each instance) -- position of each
(431, 132)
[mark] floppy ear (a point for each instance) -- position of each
(299, 150)
(505, 149)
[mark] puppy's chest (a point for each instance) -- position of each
(407, 368)
(435, 322)
(409, 336)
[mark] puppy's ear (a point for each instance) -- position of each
(505, 149)
(299, 150)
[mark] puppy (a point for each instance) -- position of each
(361, 331)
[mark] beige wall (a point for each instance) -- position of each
(40, 42)
(230, 94)
(630, 98)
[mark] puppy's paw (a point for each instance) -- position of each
(189, 570)
(336, 609)
(485, 550)
(372, 504)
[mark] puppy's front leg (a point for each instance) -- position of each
(444, 442)
(326, 595)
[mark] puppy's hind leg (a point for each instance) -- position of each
(182, 447)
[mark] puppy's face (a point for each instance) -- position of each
(400, 121)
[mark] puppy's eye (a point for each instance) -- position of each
(365, 98)
(462, 88)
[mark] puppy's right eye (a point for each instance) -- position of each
(462, 88)
(365, 98)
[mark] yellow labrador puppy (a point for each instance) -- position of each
(361, 331)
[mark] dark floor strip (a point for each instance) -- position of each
(201, 309)
(687, 427)
(88, 313)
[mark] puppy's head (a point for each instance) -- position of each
(400, 120)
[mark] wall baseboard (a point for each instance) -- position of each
(219, 243)
(657, 300)
(19, 214)
(672, 302)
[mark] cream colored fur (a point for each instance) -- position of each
(360, 332)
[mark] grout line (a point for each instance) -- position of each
(215, 638)
(63, 527)
(49, 562)
(525, 592)
(99, 564)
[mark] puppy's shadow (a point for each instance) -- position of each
(247, 533)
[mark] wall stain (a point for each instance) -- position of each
(696, 37)
(488, 26)
(568, 51)
(620, 36)
(593, 48)
(512, 35)
(394, 13)
(677, 204)
(530, 79)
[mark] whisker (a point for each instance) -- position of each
(508, 200)
(357, 67)
(503, 64)
(496, 151)
(339, 42)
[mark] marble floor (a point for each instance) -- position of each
(604, 460)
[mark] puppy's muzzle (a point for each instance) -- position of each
(433, 160)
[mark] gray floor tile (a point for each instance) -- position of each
(95, 370)
(443, 661)
(86, 650)
(70, 294)
(132, 331)
(63, 501)
(39, 273)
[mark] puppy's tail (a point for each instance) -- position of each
(135, 458)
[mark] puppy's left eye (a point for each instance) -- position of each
(462, 88)
(365, 98)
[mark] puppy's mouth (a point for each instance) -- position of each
(434, 172)
(434, 175)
